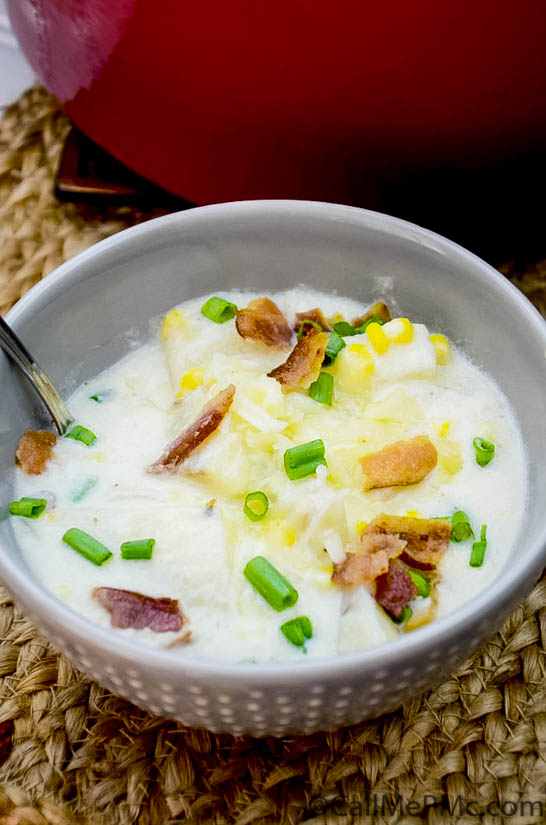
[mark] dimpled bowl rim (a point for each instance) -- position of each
(518, 576)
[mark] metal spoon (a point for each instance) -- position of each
(15, 348)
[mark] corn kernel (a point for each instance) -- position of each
(289, 537)
(445, 427)
(450, 456)
(377, 338)
(413, 514)
(364, 357)
(175, 319)
(361, 526)
(399, 330)
(190, 381)
(442, 349)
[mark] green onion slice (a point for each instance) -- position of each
(344, 328)
(406, 614)
(322, 390)
(218, 310)
(87, 546)
(28, 507)
(422, 584)
(485, 450)
(365, 325)
(77, 495)
(99, 397)
(270, 584)
(256, 505)
(140, 549)
(298, 630)
(307, 322)
(304, 459)
(82, 434)
(478, 549)
(333, 348)
(461, 529)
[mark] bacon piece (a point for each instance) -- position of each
(302, 366)
(426, 539)
(395, 588)
(184, 639)
(316, 315)
(378, 310)
(372, 559)
(399, 464)
(34, 450)
(193, 436)
(263, 321)
(128, 608)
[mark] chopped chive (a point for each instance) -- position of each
(269, 583)
(461, 529)
(406, 614)
(99, 397)
(363, 328)
(77, 495)
(307, 322)
(343, 328)
(218, 310)
(485, 450)
(256, 505)
(298, 630)
(421, 583)
(333, 348)
(87, 546)
(478, 549)
(303, 470)
(304, 459)
(322, 390)
(82, 434)
(140, 549)
(28, 507)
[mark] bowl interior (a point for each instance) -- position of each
(97, 306)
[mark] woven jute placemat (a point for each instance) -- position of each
(71, 752)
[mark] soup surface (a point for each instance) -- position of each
(391, 420)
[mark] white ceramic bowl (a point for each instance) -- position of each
(76, 323)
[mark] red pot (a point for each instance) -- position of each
(293, 98)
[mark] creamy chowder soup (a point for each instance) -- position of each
(275, 479)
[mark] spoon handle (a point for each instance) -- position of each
(15, 348)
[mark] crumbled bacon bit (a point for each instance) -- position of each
(128, 608)
(34, 450)
(184, 639)
(371, 560)
(378, 310)
(193, 436)
(395, 588)
(316, 315)
(263, 321)
(302, 366)
(418, 542)
(399, 464)
(426, 539)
